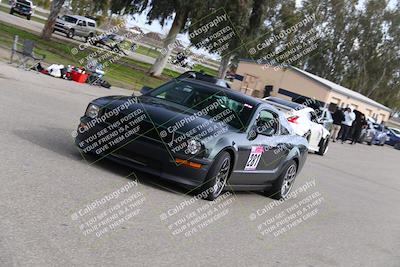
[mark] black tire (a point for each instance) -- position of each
(307, 136)
(397, 146)
(220, 169)
(323, 148)
(370, 143)
(277, 191)
(28, 17)
(11, 11)
(71, 33)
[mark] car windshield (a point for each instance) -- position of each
(69, 19)
(196, 98)
(25, 3)
(395, 131)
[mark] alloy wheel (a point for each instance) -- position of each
(221, 177)
(288, 180)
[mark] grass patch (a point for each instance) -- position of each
(206, 70)
(124, 72)
(144, 50)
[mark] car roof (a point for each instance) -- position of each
(81, 18)
(235, 94)
(291, 105)
(203, 77)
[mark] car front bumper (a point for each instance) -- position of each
(150, 156)
(22, 11)
(61, 28)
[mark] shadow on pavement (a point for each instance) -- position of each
(60, 141)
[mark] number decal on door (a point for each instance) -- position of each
(254, 158)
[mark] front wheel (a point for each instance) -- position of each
(217, 176)
(323, 148)
(70, 33)
(28, 17)
(282, 186)
(11, 11)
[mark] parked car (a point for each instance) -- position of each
(374, 134)
(22, 7)
(183, 137)
(393, 137)
(305, 122)
(204, 77)
(73, 25)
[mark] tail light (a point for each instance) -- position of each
(293, 119)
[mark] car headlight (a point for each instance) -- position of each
(193, 147)
(92, 111)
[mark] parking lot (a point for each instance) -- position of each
(45, 182)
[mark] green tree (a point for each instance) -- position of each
(178, 10)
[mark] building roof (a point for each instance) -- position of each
(334, 87)
(340, 89)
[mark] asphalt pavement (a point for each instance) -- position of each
(344, 210)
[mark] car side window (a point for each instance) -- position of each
(268, 120)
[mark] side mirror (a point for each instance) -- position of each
(252, 133)
(145, 90)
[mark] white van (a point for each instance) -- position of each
(73, 25)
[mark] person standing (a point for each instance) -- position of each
(349, 117)
(337, 117)
(358, 125)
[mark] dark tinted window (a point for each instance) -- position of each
(194, 97)
(91, 24)
(69, 19)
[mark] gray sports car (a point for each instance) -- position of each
(198, 134)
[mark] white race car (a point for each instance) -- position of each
(305, 122)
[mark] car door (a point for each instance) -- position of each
(326, 119)
(260, 158)
(316, 130)
(80, 27)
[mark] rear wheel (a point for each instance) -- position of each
(282, 186)
(28, 17)
(217, 176)
(11, 11)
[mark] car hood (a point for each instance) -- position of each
(171, 118)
